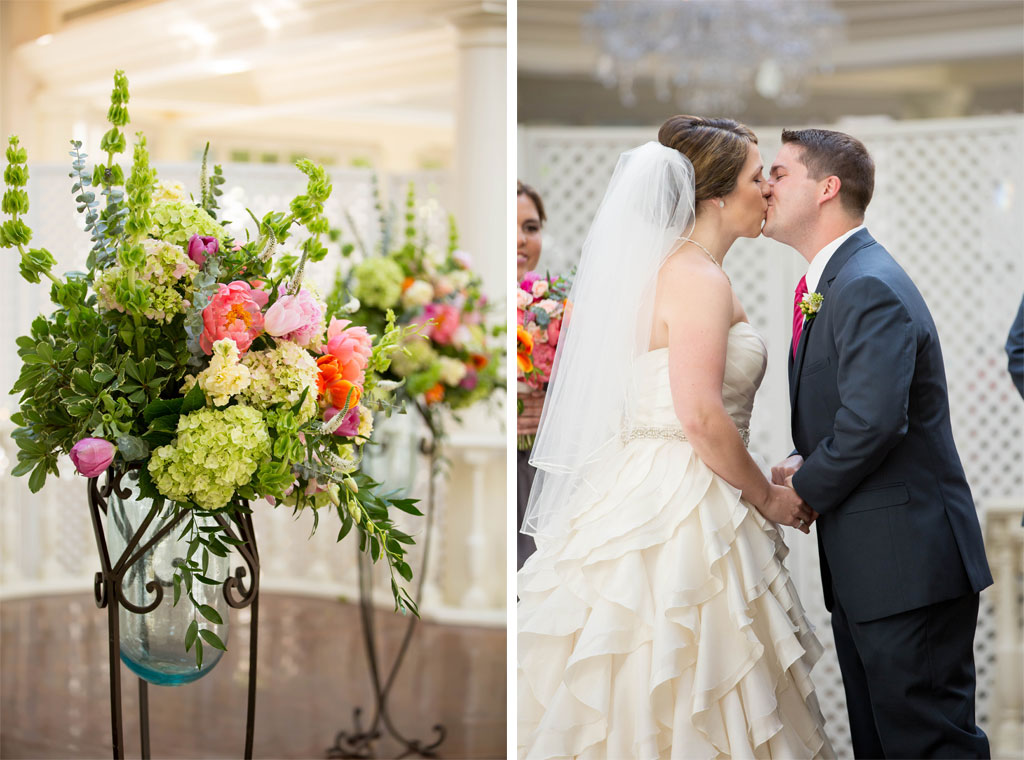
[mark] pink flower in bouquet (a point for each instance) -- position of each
(232, 313)
(446, 321)
(539, 288)
(523, 299)
(463, 258)
(259, 295)
(469, 382)
(554, 330)
(297, 318)
(201, 246)
(527, 283)
(349, 426)
(443, 287)
(351, 346)
(543, 358)
(92, 456)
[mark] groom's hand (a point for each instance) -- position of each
(786, 469)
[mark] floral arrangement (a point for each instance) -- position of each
(450, 359)
(541, 305)
(202, 362)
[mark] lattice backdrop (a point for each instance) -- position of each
(47, 543)
(948, 206)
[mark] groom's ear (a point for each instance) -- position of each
(829, 188)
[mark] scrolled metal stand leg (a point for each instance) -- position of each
(114, 651)
(359, 744)
(144, 718)
(250, 718)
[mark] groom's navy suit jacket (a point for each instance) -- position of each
(870, 415)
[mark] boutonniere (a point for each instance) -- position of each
(810, 304)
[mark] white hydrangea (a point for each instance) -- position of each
(225, 377)
(452, 371)
(420, 293)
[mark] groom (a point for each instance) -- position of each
(902, 559)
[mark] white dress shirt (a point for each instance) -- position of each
(821, 259)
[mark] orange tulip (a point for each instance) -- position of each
(435, 394)
(332, 384)
(524, 348)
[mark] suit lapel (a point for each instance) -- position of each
(850, 246)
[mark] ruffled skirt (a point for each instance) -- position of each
(663, 624)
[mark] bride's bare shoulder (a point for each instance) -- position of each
(684, 276)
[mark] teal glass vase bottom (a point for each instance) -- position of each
(153, 643)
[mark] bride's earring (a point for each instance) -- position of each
(721, 204)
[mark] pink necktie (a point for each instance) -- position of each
(798, 315)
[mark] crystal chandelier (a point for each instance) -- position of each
(708, 55)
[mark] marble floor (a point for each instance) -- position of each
(312, 674)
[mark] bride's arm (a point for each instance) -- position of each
(695, 301)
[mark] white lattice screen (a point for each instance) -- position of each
(47, 540)
(948, 206)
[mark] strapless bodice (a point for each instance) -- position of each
(650, 397)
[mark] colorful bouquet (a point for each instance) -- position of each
(541, 306)
(199, 361)
(450, 360)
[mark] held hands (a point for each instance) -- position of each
(532, 403)
(785, 507)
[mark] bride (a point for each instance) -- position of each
(656, 618)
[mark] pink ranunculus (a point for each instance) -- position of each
(201, 246)
(92, 456)
(232, 313)
(352, 346)
(527, 282)
(539, 288)
(298, 318)
(446, 321)
(349, 426)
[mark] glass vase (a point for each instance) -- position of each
(153, 643)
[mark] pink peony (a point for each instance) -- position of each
(349, 426)
(554, 330)
(232, 313)
(543, 357)
(351, 346)
(259, 295)
(298, 318)
(201, 246)
(92, 456)
(446, 321)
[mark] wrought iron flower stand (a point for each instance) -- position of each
(109, 593)
(360, 742)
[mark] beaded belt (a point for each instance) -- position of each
(670, 434)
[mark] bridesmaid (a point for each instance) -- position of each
(531, 219)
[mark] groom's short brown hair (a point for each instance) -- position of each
(827, 153)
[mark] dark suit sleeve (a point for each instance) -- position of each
(876, 349)
(1015, 350)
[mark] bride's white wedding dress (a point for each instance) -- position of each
(662, 623)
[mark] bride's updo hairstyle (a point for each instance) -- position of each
(717, 148)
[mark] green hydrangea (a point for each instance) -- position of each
(215, 452)
(176, 221)
(420, 356)
(280, 375)
(378, 282)
(166, 275)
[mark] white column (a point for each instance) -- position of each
(476, 596)
(481, 180)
